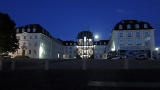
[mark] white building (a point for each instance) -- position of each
(36, 42)
(101, 49)
(132, 36)
(69, 50)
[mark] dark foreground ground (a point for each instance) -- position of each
(80, 75)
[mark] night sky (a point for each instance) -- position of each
(65, 18)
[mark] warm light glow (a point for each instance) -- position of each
(96, 36)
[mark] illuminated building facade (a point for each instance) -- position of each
(132, 36)
(36, 42)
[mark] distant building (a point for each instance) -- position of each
(132, 37)
(36, 42)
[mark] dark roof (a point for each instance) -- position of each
(69, 43)
(83, 34)
(134, 25)
(30, 29)
(101, 42)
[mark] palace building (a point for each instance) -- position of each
(132, 37)
(129, 37)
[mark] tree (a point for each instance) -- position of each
(8, 41)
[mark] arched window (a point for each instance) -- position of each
(128, 26)
(120, 27)
(137, 26)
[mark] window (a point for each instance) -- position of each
(128, 26)
(36, 37)
(34, 30)
(121, 42)
(30, 37)
(24, 37)
(121, 34)
(146, 34)
(130, 42)
(129, 34)
(147, 42)
(137, 26)
(23, 30)
(145, 26)
(138, 42)
(120, 27)
(28, 30)
(18, 37)
(30, 44)
(17, 30)
(137, 34)
(29, 51)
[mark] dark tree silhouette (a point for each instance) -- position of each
(8, 41)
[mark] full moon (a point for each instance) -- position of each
(96, 36)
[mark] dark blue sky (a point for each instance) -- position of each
(65, 18)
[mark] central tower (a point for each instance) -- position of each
(85, 45)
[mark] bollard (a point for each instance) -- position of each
(126, 64)
(46, 65)
(1, 65)
(84, 65)
(12, 65)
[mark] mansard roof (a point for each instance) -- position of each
(132, 25)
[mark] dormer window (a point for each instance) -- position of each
(128, 26)
(34, 29)
(145, 26)
(23, 30)
(120, 27)
(28, 30)
(17, 30)
(137, 26)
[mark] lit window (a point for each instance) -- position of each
(121, 34)
(137, 34)
(24, 37)
(146, 34)
(129, 34)
(145, 26)
(130, 42)
(36, 37)
(120, 27)
(30, 37)
(128, 26)
(137, 26)
(138, 42)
